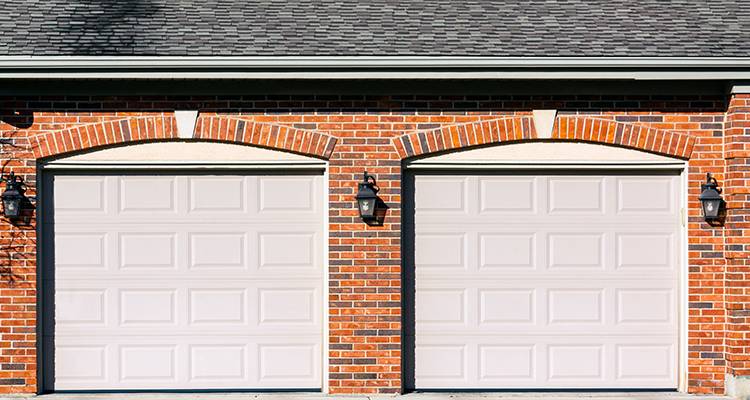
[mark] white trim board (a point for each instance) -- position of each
(373, 67)
(538, 165)
(187, 154)
(365, 62)
(551, 154)
(184, 166)
(526, 74)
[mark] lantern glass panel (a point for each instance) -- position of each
(367, 207)
(11, 207)
(711, 208)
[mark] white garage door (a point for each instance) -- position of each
(185, 281)
(558, 281)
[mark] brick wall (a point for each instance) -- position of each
(737, 235)
(374, 132)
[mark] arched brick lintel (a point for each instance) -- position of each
(634, 136)
(573, 128)
(163, 127)
(278, 137)
(452, 137)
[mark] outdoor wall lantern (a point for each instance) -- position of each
(367, 197)
(13, 196)
(710, 199)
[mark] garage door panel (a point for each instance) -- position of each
(218, 250)
(288, 195)
(80, 195)
(646, 306)
(524, 196)
(193, 250)
(443, 195)
(81, 306)
(646, 362)
(507, 195)
(567, 250)
(183, 307)
(444, 306)
(274, 250)
(280, 363)
(652, 195)
(577, 363)
(146, 194)
(499, 364)
(151, 250)
(561, 286)
(645, 250)
(575, 195)
(544, 361)
(147, 307)
(130, 198)
(442, 250)
(503, 251)
(84, 249)
(534, 305)
(199, 289)
(438, 361)
(217, 194)
(212, 363)
(507, 306)
(508, 250)
(197, 362)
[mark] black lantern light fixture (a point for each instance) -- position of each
(367, 197)
(710, 198)
(13, 196)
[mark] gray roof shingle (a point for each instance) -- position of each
(511, 28)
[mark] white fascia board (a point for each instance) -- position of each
(426, 75)
(741, 88)
(548, 165)
(231, 165)
(369, 62)
(107, 67)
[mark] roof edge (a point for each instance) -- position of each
(372, 67)
(360, 62)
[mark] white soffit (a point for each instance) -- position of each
(188, 154)
(546, 153)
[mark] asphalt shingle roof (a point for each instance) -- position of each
(512, 28)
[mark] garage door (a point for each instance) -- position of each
(546, 281)
(184, 281)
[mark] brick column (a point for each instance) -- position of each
(706, 263)
(737, 234)
(18, 370)
(365, 269)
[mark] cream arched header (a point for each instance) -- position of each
(548, 153)
(187, 153)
